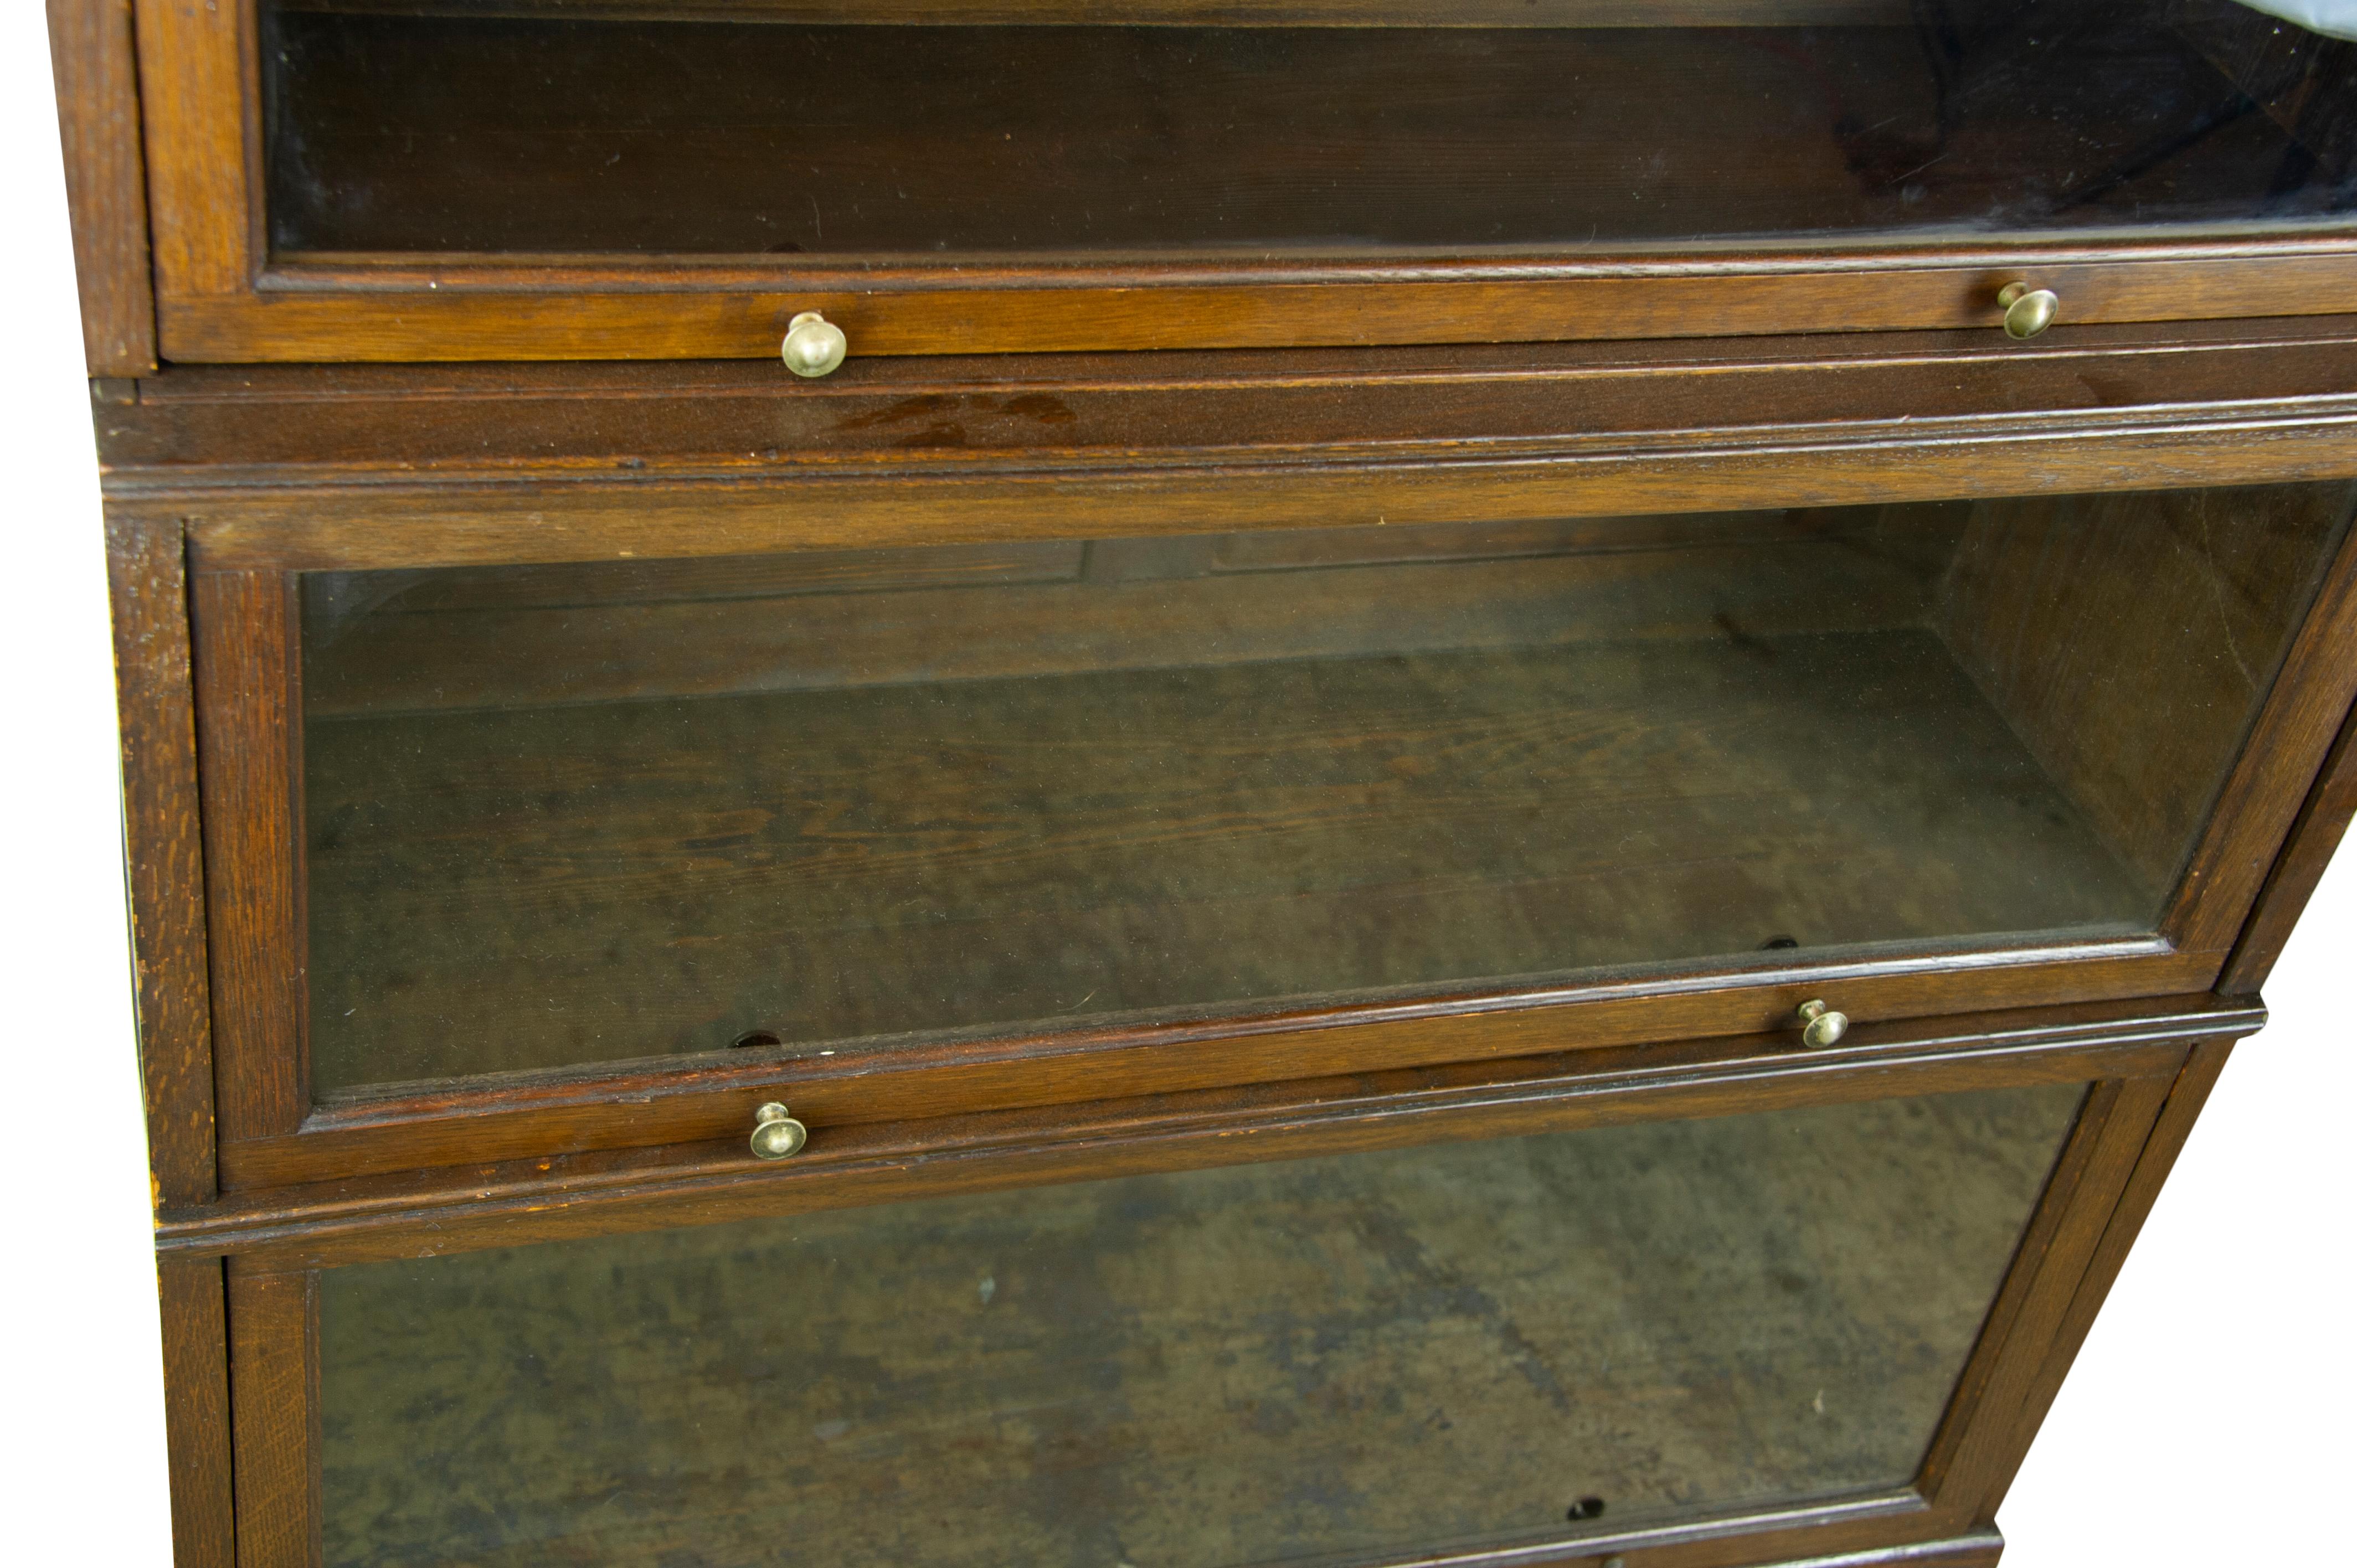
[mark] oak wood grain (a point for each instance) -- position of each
(469, 316)
(197, 1412)
(248, 681)
(92, 58)
(277, 424)
(163, 845)
(273, 1325)
(681, 1102)
(196, 88)
(341, 1217)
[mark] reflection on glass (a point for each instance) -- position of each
(571, 814)
(800, 128)
(1351, 1354)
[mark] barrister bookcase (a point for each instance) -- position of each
(1193, 783)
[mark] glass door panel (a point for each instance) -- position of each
(1359, 1356)
(1367, 128)
(558, 815)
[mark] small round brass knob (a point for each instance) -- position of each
(2027, 311)
(813, 345)
(776, 1133)
(1821, 1025)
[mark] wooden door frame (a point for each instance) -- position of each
(2146, 1082)
(247, 680)
(219, 296)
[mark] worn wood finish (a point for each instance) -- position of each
(248, 679)
(163, 845)
(274, 1325)
(2158, 1155)
(219, 427)
(354, 522)
(197, 1412)
(197, 77)
(675, 1103)
(1965, 1468)
(2323, 819)
(1501, 1326)
(92, 58)
(2104, 1150)
(469, 315)
(343, 1218)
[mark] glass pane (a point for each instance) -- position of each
(798, 127)
(592, 814)
(1360, 1354)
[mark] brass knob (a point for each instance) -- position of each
(2027, 311)
(813, 345)
(1820, 1026)
(776, 1133)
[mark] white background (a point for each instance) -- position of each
(2208, 1420)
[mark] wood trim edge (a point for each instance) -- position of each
(93, 57)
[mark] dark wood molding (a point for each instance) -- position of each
(273, 1325)
(488, 1204)
(163, 845)
(94, 61)
(2124, 1220)
(247, 693)
(2287, 747)
(197, 1410)
(673, 311)
(652, 1103)
(2308, 849)
(1979, 1550)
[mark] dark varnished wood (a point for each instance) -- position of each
(657, 1106)
(248, 690)
(673, 1103)
(91, 56)
(2157, 1156)
(217, 301)
(2101, 1159)
(163, 845)
(194, 58)
(197, 1412)
(2263, 795)
(2308, 849)
(431, 468)
(469, 315)
(274, 1325)
(211, 427)
(496, 1203)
